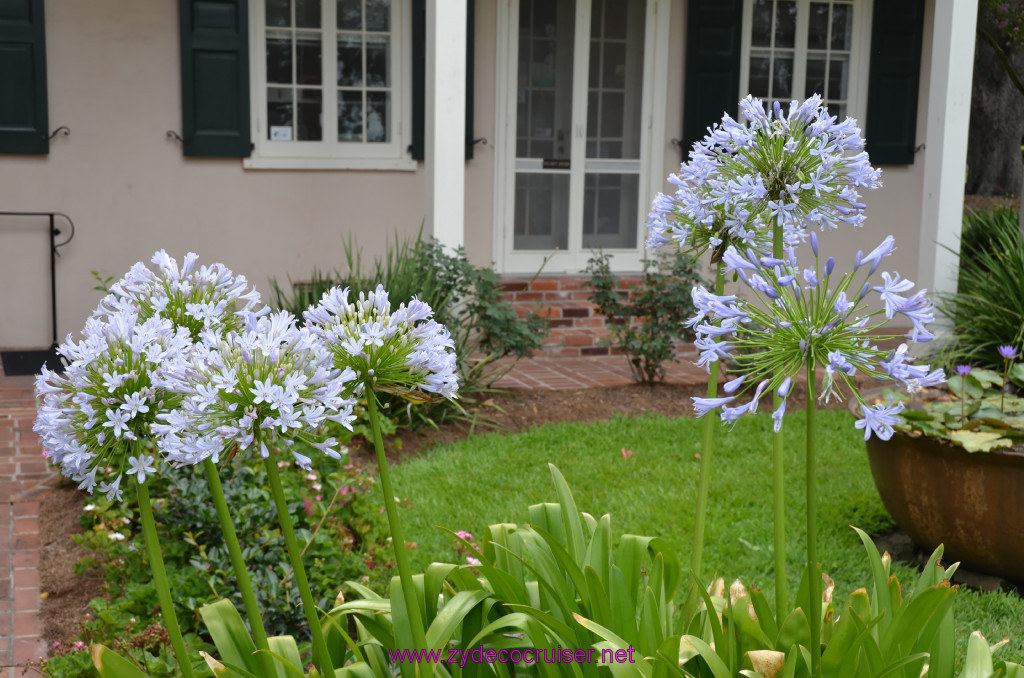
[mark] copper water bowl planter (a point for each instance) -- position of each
(939, 493)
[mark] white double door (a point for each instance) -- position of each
(575, 157)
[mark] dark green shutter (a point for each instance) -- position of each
(714, 30)
(215, 78)
(896, 31)
(24, 126)
(419, 77)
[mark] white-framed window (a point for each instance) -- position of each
(795, 48)
(330, 84)
(576, 104)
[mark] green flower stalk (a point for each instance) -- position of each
(403, 352)
(707, 447)
(762, 184)
(801, 318)
(95, 421)
(260, 390)
(163, 589)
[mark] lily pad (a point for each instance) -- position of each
(979, 441)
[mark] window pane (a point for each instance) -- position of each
(378, 61)
(610, 210)
(308, 53)
(378, 117)
(307, 13)
(615, 18)
(350, 116)
(594, 69)
(279, 58)
(378, 15)
(842, 25)
(612, 114)
(350, 15)
(838, 74)
(785, 23)
(761, 30)
(279, 13)
(782, 80)
(279, 113)
(838, 110)
(541, 218)
(614, 98)
(614, 65)
(759, 66)
(350, 61)
(610, 149)
(545, 15)
(817, 33)
(309, 116)
(542, 114)
(542, 63)
(815, 83)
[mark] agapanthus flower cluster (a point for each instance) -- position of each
(800, 169)
(401, 351)
(267, 384)
(95, 419)
(800, 316)
(196, 298)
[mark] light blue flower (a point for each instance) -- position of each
(880, 419)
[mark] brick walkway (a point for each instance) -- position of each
(24, 476)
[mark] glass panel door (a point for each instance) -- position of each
(544, 124)
(580, 198)
(614, 97)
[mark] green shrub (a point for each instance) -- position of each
(987, 309)
(337, 519)
(645, 321)
(465, 298)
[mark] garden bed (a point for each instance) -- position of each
(68, 595)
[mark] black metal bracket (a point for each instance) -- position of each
(171, 134)
(63, 128)
(676, 142)
(920, 147)
(481, 140)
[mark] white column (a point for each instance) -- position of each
(445, 120)
(945, 153)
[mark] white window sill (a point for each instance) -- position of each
(284, 163)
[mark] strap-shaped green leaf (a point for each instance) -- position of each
(231, 638)
(109, 664)
(450, 617)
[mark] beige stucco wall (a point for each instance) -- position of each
(113, 69)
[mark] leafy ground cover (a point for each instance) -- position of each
(643, 472)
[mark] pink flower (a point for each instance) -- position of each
(462, 534)
(472, 561)
(79, 645)
(316, 486)
(318, 497)
(311, 476)
(346, 490)
(283, 464)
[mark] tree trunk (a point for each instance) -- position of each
(994, 161)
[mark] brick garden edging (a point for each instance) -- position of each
(23, 477)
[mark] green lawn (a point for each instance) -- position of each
(493, 478)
